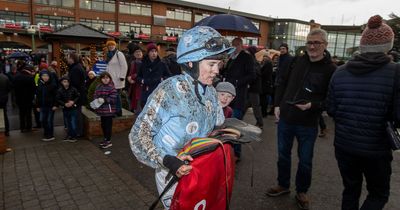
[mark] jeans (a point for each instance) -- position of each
(254, 99)
(118, 103)
(306, 138)
(25, 117)
(237, 148)
(106, 126)
(376, 170)
(70, 119)
(47, 117)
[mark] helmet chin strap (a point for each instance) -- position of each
(193, 71)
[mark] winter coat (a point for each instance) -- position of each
(266, 78)
(65, 95)
(172, 65)
(360, 100)
(255, 86)
(304, 80)
(135, 89)
(117, 67)
(109, 94)
(46, 94)
(151, 73)
(25, 88)
(240, 72)
(77, 77)
(283, 65)
(173, 116)
(5, 87)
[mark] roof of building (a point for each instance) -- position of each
(215, 9)
(80, 30)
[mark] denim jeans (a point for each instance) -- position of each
(306, 138)
(70, 118)
(377, 172)
(47, 117)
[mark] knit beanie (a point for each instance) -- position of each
(377, 36)
(151, 46)
(226, 87)
(44, 72)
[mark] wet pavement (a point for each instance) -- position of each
(58, 175)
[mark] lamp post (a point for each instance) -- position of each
(32, 30)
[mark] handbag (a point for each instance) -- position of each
(96, 103)
(392, 129)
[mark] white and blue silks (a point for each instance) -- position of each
(172, 116)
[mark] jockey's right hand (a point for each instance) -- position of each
(177, 165)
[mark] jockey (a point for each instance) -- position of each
(181, 108)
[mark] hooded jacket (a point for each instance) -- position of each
(117, 67)
(360, 101)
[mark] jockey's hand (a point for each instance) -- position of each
(184, 169)
(176, 165)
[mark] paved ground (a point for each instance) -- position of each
(326, 184)
(38, 175)
(59, 175)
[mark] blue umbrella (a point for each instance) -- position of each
(18, 54)
(232, 25)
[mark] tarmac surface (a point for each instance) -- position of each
(59, 175)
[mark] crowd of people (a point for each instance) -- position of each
(191, 90)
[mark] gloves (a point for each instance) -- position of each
(172, 163)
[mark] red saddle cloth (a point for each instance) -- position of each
(209, 184)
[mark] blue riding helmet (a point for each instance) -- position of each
(201, 42)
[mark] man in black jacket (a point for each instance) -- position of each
(239, 72)
(361, 100)
(298, 100)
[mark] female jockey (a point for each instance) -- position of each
(181, 108)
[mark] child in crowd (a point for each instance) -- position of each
(106, 94)
(226, 93)
(46, 104)
(67, 96)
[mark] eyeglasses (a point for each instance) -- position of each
(213, 45)
(315, 43)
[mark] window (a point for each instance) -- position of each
(57, 3)
(134, 8)
(134, 28)
(179, 14)
(174, 31)
(14, 18)
(101, 25)
(99, 5)
(54, 21)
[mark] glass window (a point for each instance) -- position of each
(55, 2)
(97, 5)
(68, 3)
(109, 7)
(135, 10)
(85, 4)
(146, 11)
(42, 1)
(178, 15)
(170, 14)
(187, 16)
(123, 8)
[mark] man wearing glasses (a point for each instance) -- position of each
(298, 102)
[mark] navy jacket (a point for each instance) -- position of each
(360, 101)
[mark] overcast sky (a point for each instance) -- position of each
(331, 12)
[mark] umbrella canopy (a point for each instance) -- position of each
(17, 55)
(230, 25)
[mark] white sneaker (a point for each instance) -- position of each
(48, 139)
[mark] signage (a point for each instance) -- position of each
(56, 10)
